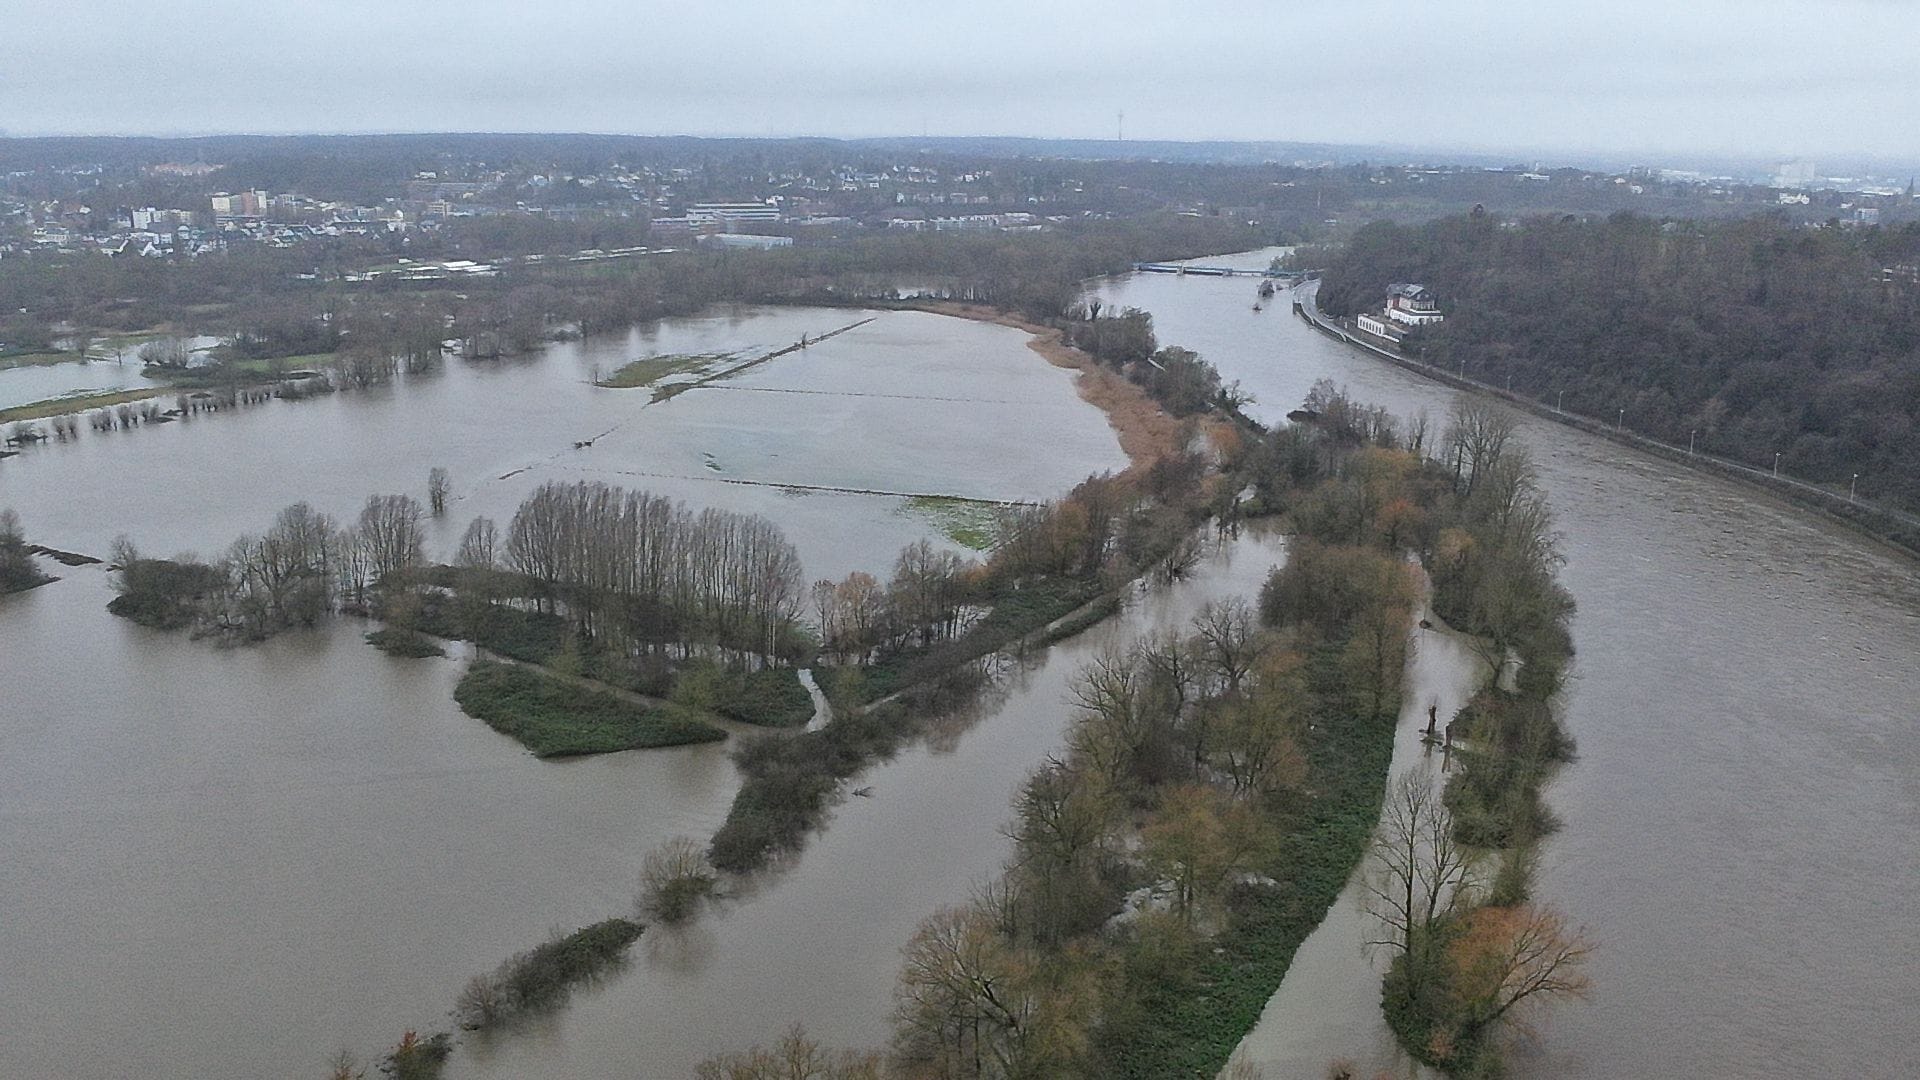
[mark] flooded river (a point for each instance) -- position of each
(228, 864)
(1743, 825)
(232, 863)
(820, 942)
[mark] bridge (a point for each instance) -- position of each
(1219, 271)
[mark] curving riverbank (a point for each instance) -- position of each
(1897, 530)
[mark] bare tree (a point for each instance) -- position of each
(1418, 876)
(390, 529)
(794, 1057)
(166, 352)
(438, 487)
(1228, 643)
(1478, 434)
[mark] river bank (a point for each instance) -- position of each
(1897, 531)
(1743, 703)
(1327, 1008)
(1145, 430)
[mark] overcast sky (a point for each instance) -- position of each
(1750, 77)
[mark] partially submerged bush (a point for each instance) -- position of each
(395, 641)
(544, 975)
(417, 1058)
(674, 880)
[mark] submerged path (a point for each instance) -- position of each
(828, 488)
(664, 393)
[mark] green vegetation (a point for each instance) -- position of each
(415, 1058)
(17, 569)
(166, 594)
(60, 406)
(543, 976)
(971, 523)
(1237, 773)
(770, 697)
(788, 781)
(652, 369)
(675, 880)
(395, 641)
(1185, 1021)
(553, 718)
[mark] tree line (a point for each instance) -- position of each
(1181, 380)
(304, 567)
(1748, 338)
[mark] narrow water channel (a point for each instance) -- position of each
(1742, 827)
(1328, 1007)
(819, 943)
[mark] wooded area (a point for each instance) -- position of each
(1753, 336)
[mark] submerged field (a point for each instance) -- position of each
(316, 846)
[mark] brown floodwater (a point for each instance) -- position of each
(229, 863)
(818, 943)
(234, 862)
(1742, 829)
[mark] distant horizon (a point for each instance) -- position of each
(1357, 150)
(1645, 80)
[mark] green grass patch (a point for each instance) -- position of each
(40, 410)
(971, 523)
(649, 370)
(407, 643)
(554, 718)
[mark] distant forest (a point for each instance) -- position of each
(1760, 336)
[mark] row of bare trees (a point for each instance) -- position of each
(641, 572)
(303, 567)
(924, 602)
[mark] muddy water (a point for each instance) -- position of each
(1743, 824)
(1328, 1007)
(819, 943)
(231, 863)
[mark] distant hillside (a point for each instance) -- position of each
(1761, 336)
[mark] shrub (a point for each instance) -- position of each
(418, 1059)
(674, 879)
(544, 975)
(407, 643)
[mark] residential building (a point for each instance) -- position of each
(1412, 305)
